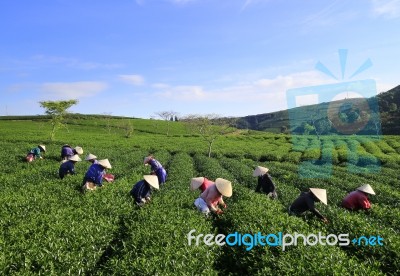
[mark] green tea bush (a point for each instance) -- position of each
(384, 147)
(48, 226)
(293, 157)
(395, 144)
(311, 154)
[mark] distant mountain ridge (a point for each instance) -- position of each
(279, 122)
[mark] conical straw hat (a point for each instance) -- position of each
(75, 158)
(43, 147)
(224, 187)
(196, 183)
(79, 150)
(105, 163)
(90, 157)
(259, 171)
(366, 188)
(152, 180)
(320, 194)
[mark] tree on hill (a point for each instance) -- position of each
(209, 127)
(307, 128)
(57, 110)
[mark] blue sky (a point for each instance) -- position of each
(230, 57)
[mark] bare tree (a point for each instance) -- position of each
(209, 127)
(128, 128)
(107, 118)
(167, 116)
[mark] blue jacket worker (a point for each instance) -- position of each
(141, 191)
(156, 168)
(67, 151)
(68, 167)
(94, 176)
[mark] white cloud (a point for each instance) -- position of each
(71, 90)
(183, 93)
(386, 8)
(132, 79)
(271, 93)
(160, 85)
(295, 80)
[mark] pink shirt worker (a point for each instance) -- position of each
(212, 196)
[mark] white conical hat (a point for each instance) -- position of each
(224, 187)
(152, 180)
(105, 163)
(146, 159)
(320, 194)
(90, 157)
(196, 183)
(75, 158)
(259, 171)
(366, 188)
(79, 150)
(43, 147)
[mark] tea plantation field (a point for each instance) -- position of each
(49, 227)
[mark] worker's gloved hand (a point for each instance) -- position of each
(147, 198)
(325, 220)
(143, 200)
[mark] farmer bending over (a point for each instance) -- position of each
(68, 167)
(35, 153)
(306, 202)
(67, 151)
(358, 199)
(141, 191)
(212, 196)
(156, 168)
(265, 182)
(94, 176)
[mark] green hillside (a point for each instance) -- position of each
(49, 227)
(277, 122)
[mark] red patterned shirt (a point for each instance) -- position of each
(356, 200)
